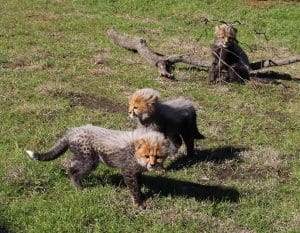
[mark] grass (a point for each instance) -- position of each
(58, 69)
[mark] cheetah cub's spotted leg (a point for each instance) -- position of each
(132, 182)
(77, 171)
(80, 167)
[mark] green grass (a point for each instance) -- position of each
(246, 177)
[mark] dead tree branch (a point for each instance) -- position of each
(162, 62)
(165, 63)
(278, 62)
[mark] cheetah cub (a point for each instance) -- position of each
(132, 151)
(176, 119)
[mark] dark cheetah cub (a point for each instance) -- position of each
(228, 56)
(176, 119)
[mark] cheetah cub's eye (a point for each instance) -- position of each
(147, 156)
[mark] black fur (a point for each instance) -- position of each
(178, 124)
(231, 60)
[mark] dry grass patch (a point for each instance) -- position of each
(45, 111)
(222, 89)
(102, 56)
(102, 70)
(16, 174)
(293, 108)
(51, 87)
(101, 60)
(205, 221)
(175, 43)
(213, 130)
(259, 163)
(30, 61)
(263, 158)
(149, 31)
(24, 182)
(261, 166)
(185, 46)
(261, 4)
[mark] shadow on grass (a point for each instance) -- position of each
(4, 227)
(166, 186)
(4, 223)
(217, 155)
(272, 75)
(163, 186)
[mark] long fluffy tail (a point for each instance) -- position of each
(58, 149)
(197, 134)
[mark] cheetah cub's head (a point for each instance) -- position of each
(142, 103)
(152, 149)
(225, 35)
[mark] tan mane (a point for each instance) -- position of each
(225, 30)
(146, 93)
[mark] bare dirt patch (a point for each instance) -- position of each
(62, 90)
(92, 102)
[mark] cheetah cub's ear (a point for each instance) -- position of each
(169, 148)
(138, 144)
(217, 29)
(152, 99)
(166, 142)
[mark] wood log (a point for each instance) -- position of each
(274, 62)
(162, 62)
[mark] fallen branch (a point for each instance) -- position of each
(165, 63)
(162, 62)
(278, 62)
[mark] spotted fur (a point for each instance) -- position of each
(228, 56)
(132, 151)
(175, 118)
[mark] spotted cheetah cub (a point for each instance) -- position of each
(132, 151)
(176, 119)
